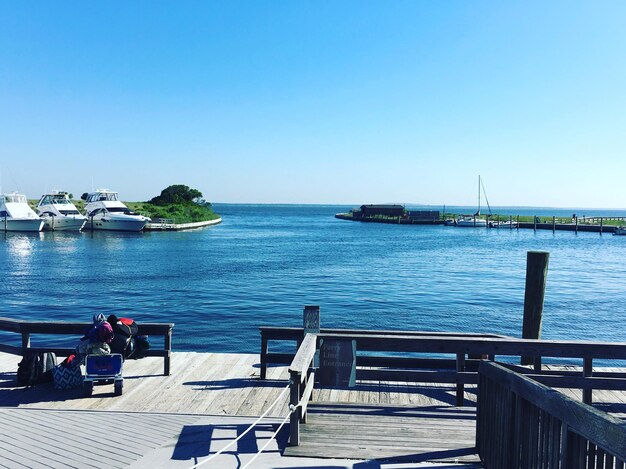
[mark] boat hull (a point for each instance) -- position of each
(471, 223)
(62, 223)
(115, 224)
(24, 224)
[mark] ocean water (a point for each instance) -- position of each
(264, 263)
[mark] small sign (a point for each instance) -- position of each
(337, 363)
(311, 320)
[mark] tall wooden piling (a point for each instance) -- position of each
(536, 274)
(553, 224)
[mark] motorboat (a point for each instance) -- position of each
(16, 214)
(503, 224)
(620, 230)
(105, 212)
(59, 213)
(471, 221)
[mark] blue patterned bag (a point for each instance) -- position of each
(67, 377)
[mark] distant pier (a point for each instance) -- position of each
(390, 220)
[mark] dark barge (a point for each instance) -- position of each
(392, 213)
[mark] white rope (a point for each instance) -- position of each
(272, 437)
(247, 430)
(292, 409)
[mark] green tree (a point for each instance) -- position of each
(176, 194)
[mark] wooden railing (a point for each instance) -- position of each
(301, 382)
(77, 329)
(295, 336)
(524, 424)
(467, 349)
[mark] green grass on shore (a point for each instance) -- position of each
(179, 213)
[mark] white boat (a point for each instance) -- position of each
(59, 213)
(503, 224)
(16, 214)
(474, 221)
(105, 212)
(620, 230)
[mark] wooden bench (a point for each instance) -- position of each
(27, 328)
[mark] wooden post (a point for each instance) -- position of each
(536, 273)
(264, 350)
(576, 224)
(535, 223)
(518, 223)
(601, 225)
(553, 224)
(167, 345)
(587, 372)
(460, 387)
(294, 419)
(510, 222)
(25, 342)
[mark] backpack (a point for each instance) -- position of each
(35, 368)
(100, 332)
(125, 330)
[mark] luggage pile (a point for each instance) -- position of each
(106, 343)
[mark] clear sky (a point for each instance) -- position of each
(317, 102)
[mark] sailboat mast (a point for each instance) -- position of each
(478, 213)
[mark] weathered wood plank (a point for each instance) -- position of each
(304, 356)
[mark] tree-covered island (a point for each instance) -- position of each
(179, 203)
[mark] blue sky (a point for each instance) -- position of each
(317, 102)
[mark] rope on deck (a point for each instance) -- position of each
(292, 408)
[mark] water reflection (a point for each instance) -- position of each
(22, 244)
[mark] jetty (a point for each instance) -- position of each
(166, 224)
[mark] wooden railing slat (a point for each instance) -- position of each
(579, 423)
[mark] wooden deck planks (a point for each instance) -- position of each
(380, 432)
(40, 438)
(377, 419)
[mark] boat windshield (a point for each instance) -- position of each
(103, 196)
(15, 198)
(54, 199)
(69, 212)
(119, 210)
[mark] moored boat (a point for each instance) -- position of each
(106, 212)
(474, 221)
(59, 213)
(16, 214)
(620, 231)
(471, 221)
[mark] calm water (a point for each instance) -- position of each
(264, 263)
